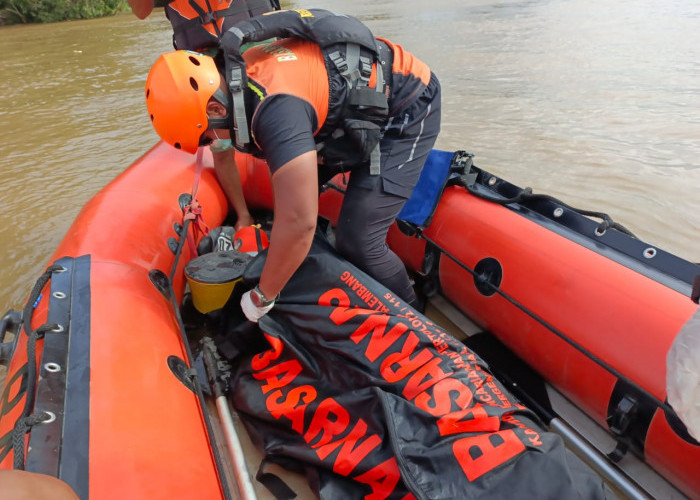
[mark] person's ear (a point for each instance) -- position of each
(215, 108)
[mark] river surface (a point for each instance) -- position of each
(592, 101)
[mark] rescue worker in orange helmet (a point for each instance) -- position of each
(350, 104)
(198, 25)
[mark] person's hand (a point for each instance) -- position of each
(243, 221)
(253, 307)
(231, 42)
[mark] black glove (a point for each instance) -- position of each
(231, 44)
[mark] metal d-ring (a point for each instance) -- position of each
(52, 417)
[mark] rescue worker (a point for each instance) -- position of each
(198, 25)
(350, 103)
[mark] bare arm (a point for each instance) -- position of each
(141, 8)
(230, 180)
(295, 189)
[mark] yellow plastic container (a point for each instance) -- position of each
(213, 276)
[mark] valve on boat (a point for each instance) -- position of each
(488, 274)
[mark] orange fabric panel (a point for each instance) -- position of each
(406, 63)
(291, 66)
(185, 9)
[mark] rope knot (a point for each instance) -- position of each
(193, 213)
(193, 210)
(47, 327)
(22, 426)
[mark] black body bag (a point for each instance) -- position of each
(372, 400)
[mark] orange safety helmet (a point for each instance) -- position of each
(178, 89)
(250, 240)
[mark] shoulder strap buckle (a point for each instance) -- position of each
(208, 17)
(235, 85)
(340, 63)
(365, 69)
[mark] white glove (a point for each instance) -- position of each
(252, 311)
(683, 375)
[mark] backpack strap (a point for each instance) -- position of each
(356, 68)
(328, 30)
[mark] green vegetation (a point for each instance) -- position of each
(50, 11)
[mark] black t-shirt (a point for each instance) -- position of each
(283, 126)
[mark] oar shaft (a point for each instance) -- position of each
(598, 461)
(245, 485)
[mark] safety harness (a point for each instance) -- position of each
(348, 45)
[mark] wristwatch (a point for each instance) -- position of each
(259, 299)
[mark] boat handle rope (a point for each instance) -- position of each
(464, 173)
(193, 376)
(527, 195)
(662, 405)
(523, 197)
(26, 420)
(193, 211)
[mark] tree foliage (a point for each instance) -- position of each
(49, 11)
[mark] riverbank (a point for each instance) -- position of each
(52, 11)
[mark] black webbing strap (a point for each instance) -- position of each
(279, 489)
(211, 16)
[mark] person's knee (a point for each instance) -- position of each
(23, 485)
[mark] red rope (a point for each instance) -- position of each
(197, 172)
(193, 211)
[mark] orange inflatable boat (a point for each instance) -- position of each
(100, 389)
